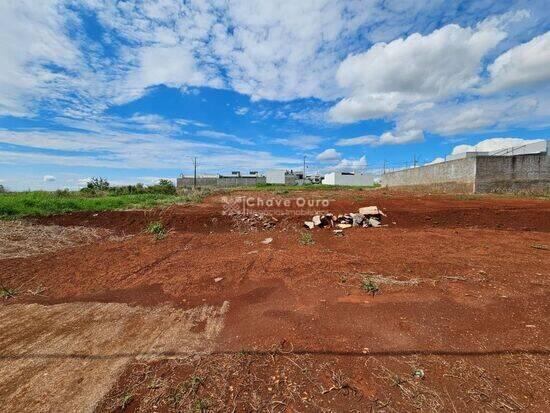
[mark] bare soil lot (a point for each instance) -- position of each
(460, 321)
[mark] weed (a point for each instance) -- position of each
(370, 286)
(306, 238)
(125, 400)
(157, 229)
(201, 406)
(155, 384)
(6, 292)
(195, 382)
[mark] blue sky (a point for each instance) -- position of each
(132, 90)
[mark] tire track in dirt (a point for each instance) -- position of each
(78, 350)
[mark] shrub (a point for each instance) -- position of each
(164, 186)
(370, 286)
(306, 238)
(157, 229)
(6, 292)
(98, 184)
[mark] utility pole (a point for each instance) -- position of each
(414, 161)
(195, 174)
(384, 166)
(304, 177)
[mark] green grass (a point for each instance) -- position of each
(41, 203)
(306, 238)
(157, 229)
(370, 286)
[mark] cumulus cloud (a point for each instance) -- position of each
(329, 155)
(401, 137)
(524, 65)
(48, 178)
(300, 142)
(415, 69)
(493, 144)
(436, 160)
(173, 66)
(495, 113)
(397, 137)
(350, 164)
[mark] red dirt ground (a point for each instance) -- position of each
(464, 296)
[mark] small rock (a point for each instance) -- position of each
(316, 220)
(267, 241)
(218, 279)
(338, 232)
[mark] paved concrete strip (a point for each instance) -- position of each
(66, 357)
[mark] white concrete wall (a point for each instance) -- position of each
(275, 176)
(336, 178)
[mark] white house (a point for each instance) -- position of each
(348, 178)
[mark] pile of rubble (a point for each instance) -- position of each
(253, 222)
(366, 217)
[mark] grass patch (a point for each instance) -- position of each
(42, 203)
(157, 229)
(7, 293)
(125, 400)
(306, 238)
(370, 286)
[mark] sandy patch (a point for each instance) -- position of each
(66, 357)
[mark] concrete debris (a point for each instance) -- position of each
(344, 226)
(267, 241)
(218, 279)
(309, 224)
(253, 222)
(338, 232)
(371, 210)
(373, 222)
(370, 216)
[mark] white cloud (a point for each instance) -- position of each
(401, 137)
(530, 111)
(224, 136)
(397, 137)
(414, 69)
(173, 66)
(329, 155)
(48, 178)
(32, 36)
(360, 140)
(116, 149)
(436, 160)
(493, 144)
(241, 111)
(350, 164)
(300, 142)
(525, 65)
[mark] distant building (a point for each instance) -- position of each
(283, 177)
(348, 179)
(221, 181)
